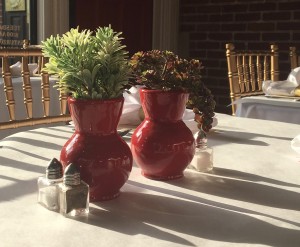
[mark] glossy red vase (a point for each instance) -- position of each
(162, 145)
(102, 156)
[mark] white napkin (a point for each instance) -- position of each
(16, 69)
(284, 88)
(33, 67)
(294, 76)
(131, 108)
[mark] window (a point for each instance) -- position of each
(17, 22)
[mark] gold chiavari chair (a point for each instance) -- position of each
(294, 58)
(26, 55)
(248, 69)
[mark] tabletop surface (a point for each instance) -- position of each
(251, 198)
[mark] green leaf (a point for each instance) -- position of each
(85, 62)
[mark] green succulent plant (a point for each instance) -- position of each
(91, 65)
(164, 70)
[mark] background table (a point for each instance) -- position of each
(20, 109)
(252, 197)
(276, 109)
(37, 105)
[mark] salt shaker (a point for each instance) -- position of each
(203, 158)
(48, 185)
(73, 193)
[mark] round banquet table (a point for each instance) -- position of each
(251, 197)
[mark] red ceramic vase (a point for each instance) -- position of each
(162, 145)
(102, 156)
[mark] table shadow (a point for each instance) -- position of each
(208, 201)
(20, 188)
(51, 135)
(58, 129)
(37, 143)
(219, 137)
(249, 176)
(225, 137)
(241, 190)
(24, 152)
(12, 163)
(167, 218)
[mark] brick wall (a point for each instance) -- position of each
(207, 25)
(1, 14)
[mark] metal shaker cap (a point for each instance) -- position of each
(71, 175)
(200, 139)
(54, 169)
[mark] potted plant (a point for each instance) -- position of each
(92, 67)
(162, 145)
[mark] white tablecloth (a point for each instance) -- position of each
(252, 197)
(262, 107)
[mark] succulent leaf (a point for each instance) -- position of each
(164, 70)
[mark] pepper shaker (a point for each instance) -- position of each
(73, 193)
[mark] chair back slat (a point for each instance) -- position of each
(240, 73)
(252, 72)
(63, 103)
(246, 73)
(45, 93)
(294, 58)
(8, 89)
(27, 87)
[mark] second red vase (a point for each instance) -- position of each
(162, 145)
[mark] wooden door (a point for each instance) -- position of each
(131, 17)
